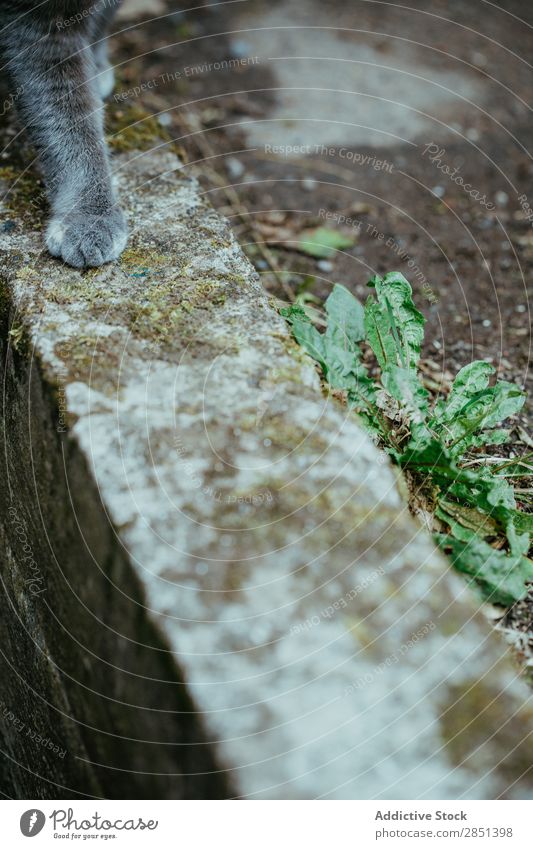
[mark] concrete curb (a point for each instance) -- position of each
(229, 596)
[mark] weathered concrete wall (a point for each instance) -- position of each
(81, 665)
(229, 596)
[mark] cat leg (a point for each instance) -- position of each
(63, 116)
(105, 80)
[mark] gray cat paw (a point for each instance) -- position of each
(83, 240)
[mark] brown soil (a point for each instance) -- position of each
(365, 88)
(468, 257)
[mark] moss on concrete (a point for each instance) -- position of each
(24, 195)
(479, 715)
(130, 127)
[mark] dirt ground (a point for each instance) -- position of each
(389, 108)
(404, 127)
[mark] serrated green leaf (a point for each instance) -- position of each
(490, 437)
(457, 530)
(467, 517)
(404, 386)
(502, 577)
(378, 333)
(306, 333)
(431, 458)
(493, 496)
(343, 370)
(324, 242)
(341, 367)
(523, 522)
(477, 488)
(395, 292)
(292, 312)
(473, 407)
(518, 543)
(346, 319)
(476, 503)
(470, 380)
(496, 490)
(394, 327)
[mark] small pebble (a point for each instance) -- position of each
(521, 308)
(165, 119)
(487, 322)
(439, 191)
(309, 184)
(240, 48)
(235, 167)
(502, 198)
(325, 265)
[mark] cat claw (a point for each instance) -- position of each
(84, 240)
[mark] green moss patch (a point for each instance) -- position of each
(130, 127)
(24, 196)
